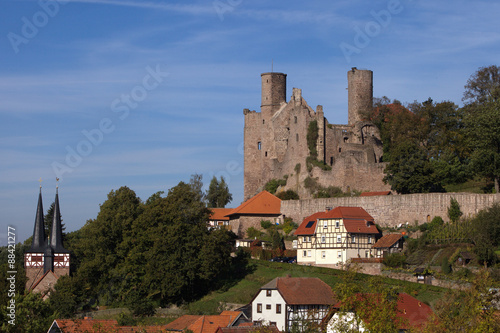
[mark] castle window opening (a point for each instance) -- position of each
(346, 139)
(297, 137)
(295, 119)
(428, 218)
(263, 121)
(259, 145)
(265, 154)
(331, 160)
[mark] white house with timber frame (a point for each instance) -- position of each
(336, 236)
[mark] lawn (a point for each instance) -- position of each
(244, 290)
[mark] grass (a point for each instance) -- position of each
(243, 291)
(477, 185)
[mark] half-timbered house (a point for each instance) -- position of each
(336, 236)
(288, 303)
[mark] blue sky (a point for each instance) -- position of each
(159, 86)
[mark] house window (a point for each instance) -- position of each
(323, 254)
(259, 308)
(268, 306)
(305, 253)
(323, 239)
(339, 239)
(309, 253)
(339, 254)
(325, 224)
(305, 239)
(268, 293)
(353, 239)
(369, 239)
(278, 308)
(337, 224)
(366, 254)
(272, 323)
(259, 145)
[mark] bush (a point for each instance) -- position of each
(253, 233)
(445, 266)
(464, 273)
(395, 260)
(265, 224)
(288, 195)
(272, 185)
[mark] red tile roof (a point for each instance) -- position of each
(86, 325)
(347, 213)
(263, 203)
(387, 240)
(302, 290)
(219, 214)
(356, 220)
(203, 324)
(372, 194)
(141, 329)
(361, 227)
(307, 228)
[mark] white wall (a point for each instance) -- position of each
(269, 315)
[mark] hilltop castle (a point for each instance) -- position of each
(276, 141)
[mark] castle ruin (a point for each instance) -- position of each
(276, 140)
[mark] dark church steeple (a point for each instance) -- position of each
(39, 239)
(56, 241)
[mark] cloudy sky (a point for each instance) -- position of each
(107, 93)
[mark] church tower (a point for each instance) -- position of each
(34, 257)
(46, 254)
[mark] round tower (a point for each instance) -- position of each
(273, 93)
(360, 94)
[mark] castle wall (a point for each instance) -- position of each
(360, 94)
(391, 210)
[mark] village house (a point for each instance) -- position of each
(390, 243)
(287, 302)
(206, 324)
(336, 236)
(263, 206)
(89, 325)
(218, 218)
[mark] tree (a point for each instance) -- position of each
(454, 212)
(218, 195)
(483, 86)
(486, 234)
(49, 217)
(482, 127)
(288, 195)
(410, 171)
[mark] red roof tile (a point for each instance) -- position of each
(219, 214)
(202, 324)
(387, 240)
(307, 228)
(182, 322)
(360, 227)
(247, 329)
(347, 213)
(86, 325)
(297, 290)
(263, 203)
(372, 194)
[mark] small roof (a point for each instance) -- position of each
(372, 194)
(219, 214)
(246, 329)
(387, 240)
(84, 325)
(182, 322)
(361, 227)
(263, 203)
(302, 290)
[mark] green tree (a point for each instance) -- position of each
(288, 195)
(486, 235)
(482, 127)
(483, 86)
(410, 171)
(33, 315)
(454, 212)
(218, 195)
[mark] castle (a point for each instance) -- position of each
(276, 143)
(47, 259)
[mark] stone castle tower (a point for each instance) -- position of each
(46, 255)
(275, 140)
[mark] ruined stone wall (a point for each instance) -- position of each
(389, 211)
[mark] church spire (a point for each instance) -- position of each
(39, 240)
(56, 233)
